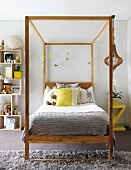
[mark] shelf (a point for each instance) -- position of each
(9, 60)
(10, 115)
(7, 50)
(10, 63)
(119, 128)
(4, 128)
(13, 94)
(10, 78)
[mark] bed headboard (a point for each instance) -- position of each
(83, 85)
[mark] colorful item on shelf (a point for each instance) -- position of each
(17, 74)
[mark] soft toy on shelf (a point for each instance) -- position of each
(1, 108)
(7, 108)
(2, 45)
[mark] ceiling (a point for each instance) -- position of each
(18, 9)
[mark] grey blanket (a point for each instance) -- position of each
(90, 123)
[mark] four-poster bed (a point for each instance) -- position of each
(107, 139)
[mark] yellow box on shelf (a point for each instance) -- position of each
(17, 74)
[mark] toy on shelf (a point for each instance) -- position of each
(7, 108)
(1, 108)
(7, 89)
(2, 45)
(16, 111)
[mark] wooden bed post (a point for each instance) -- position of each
(92, 64)
(110, 100)
(27, 88)
(44, 67)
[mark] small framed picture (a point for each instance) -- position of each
(8, 58)
(15, 89)
(8, 72)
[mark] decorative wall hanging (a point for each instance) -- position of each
(56, 65)
(14, 42)
(42, 58)
(117, 60)
(50, 55)
(67, 56)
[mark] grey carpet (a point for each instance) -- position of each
(10, 140)
(14, 160)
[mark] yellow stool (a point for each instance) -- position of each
(120, 109)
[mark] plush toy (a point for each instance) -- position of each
(54, 96)
(2, 45)
(7, 108)
(1, 112)
(52, 101)
(15, 110)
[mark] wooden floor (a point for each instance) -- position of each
(12, 140)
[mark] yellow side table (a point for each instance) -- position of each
(120, 109)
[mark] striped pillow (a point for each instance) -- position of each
(59, 85)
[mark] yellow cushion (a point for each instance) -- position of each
(66, 96)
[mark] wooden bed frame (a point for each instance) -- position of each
(108, 139)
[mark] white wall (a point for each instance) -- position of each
(129, 67)
(121, 72)
(75, 69)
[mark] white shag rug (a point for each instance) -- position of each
(14, 160)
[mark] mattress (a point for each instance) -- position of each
(84, 119)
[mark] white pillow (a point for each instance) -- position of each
(47, 95)
(47, 89)
(87, 96)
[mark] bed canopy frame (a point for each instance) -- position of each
(108, 139)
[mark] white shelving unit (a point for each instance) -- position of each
(15, 82)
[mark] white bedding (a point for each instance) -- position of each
(88, 107)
